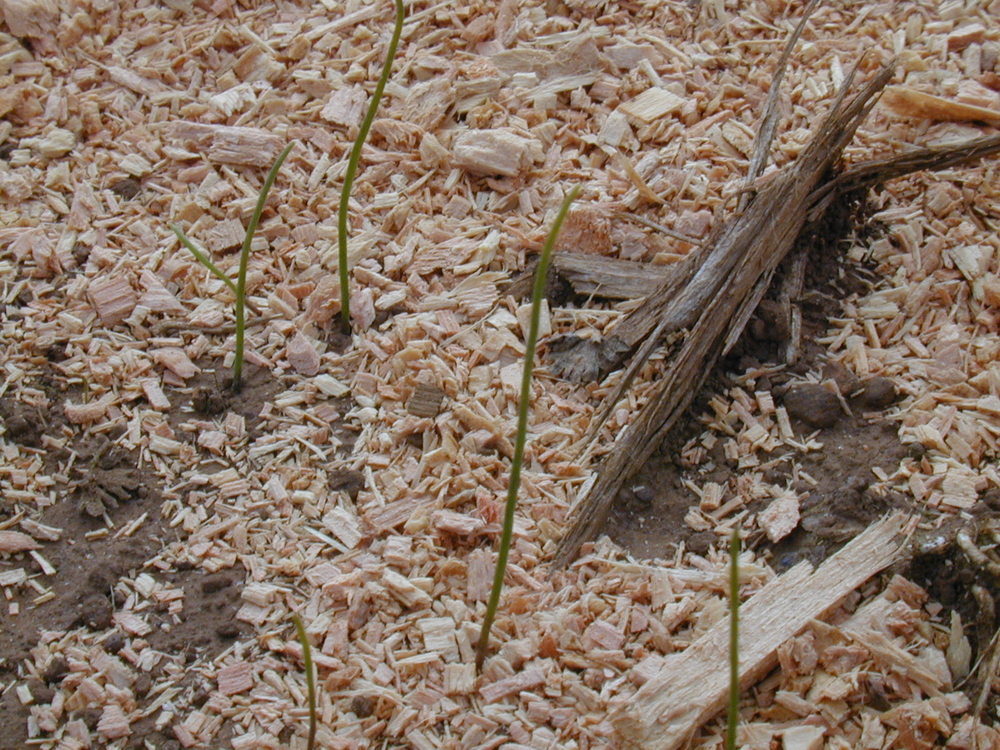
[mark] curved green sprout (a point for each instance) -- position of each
(522, 428)
(352, 168)
(239, 287)
(734, 640)
(300, 629)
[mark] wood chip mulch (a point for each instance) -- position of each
(117, 119)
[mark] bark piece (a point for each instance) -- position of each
(425, 401)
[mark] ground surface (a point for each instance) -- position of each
(161, 530)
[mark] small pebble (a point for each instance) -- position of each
(643, 493)
(813, 404)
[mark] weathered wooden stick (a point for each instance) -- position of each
(690, 688)
(716, 303)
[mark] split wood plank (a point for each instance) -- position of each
(692, 686)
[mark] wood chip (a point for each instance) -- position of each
(235, 678)
(912, 103)
(113, 298)
(15, 541)
(652, 104)
(302, 355)
(425, 401)
(494, 152)
(226, 144)
(113, 725)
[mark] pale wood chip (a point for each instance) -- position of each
(113, 298)
(132, 623)
(459, 679)
(344, 525)
(781, 516)
(652, 104)
(15, 541)
(604, 635)
(176, 361)
(912, 103)
(802, 738)
(408, 594)
(963, 36)
(41, 531)
(226, 235)
(526, 680)
(227, 144)
(439, 637)
(113, 724)
(689, 688)
(31, 18)
(345, 107)
(235, 678)
(90, 412)
(154, 394)
(494, 152)
(480, 575)
(456, 523)
(302, 355)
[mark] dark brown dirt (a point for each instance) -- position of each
(107, 481)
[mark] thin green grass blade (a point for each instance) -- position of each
(352, 168)
(310, 678)
(202, 257)
(734, 640)
(522, 428)
(241, 278)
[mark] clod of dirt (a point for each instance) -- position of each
(103, 490)
(58, 669)
(770, 323)
(215, 583)
(23, 423)
(351, 482)
(813, 404)
(80, 253)
(41, 692)
(114, 643)
(701, 542)
(209, 401)
(95, 611)
(127, 188)
(877, 393)
(846, 380)
(363, 706)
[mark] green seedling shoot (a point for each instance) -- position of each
(238, 287)
(522, 428)
(310, 679)
(734, 640)
(352, 168)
